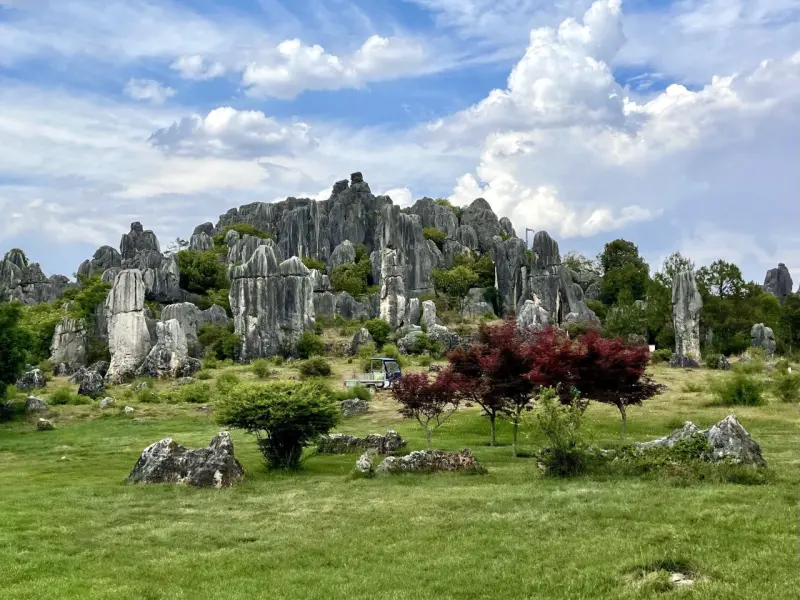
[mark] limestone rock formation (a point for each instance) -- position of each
(728, 439)
(437, 333)
(476, 305)
(426, 461)
(104, 258)
(532, 316)
(361, 337)
(201, 241)
(69, 344)
(272, 304)
(166, 461)
(169, 357)
(365, 465)
(353, 406)
(139, 249)
(343, 254)
(763, 337)
(213, 315)
(340, 443)
(393, 291)
(188, 317)
(128, 337)
(481, 218)
(342, 304)
(686, 305)
(107, 403)
(778, 282)
(24, 281)
(31, 380)
(92, 385)
(34, 404)
(45, 425)
(435, 215)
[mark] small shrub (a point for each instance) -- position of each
(786, 386)
(147, 395)
(46, 367)
(261, 367)
(310, 345)
(284, 416)
(210, 361)
(242, 229)
(314, 263)
(738, 390)
(437, 236)
(359, 392)
(425, 360)
(63, 396)
(565, 455)
(756, 353)
(221, 342)
(192, 393)
(782, 366)
(379, 330)
(660, 356)
(712, 360)
(227, 381)
(315, 367)
(278, 361)
(752, 367)
(203, 375)
(693, 387)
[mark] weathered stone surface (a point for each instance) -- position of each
(105, 257)
(763, 337)
(413, 312)
(450, 250)
(353, 406)
(686, 305)
(778, 282)
(426, 461)
(413, 259)
(128, 410)
(188, 316)
(428, 318)
(272, 304)
(360, 337)
(69, 343)
(24, 281)
(408, 342)
(393, 291)
(213, 315)
(476, 305)
(31, 380)
(467, 237)
(128, 337)
(435, 332)
(107, 402)
(138, 241)
(507, 226)
(320, 281)
(340, 443)
(45, 425)
(92, 385)
(532, 316)
(592, 292)
(169, 355)
(365, 465)
(435, 215)
(166, 461)
(723, 364)
(728, 439)
(343, 254)
(683, 362)
(201, 241)
(342, 304)
(480, 216)
(34, 404)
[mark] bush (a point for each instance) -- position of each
(203, 375)
(754, 366)
(310, 345)
(359, 392)
(738, 390)
(379, 330)
(712, 360)
(210, 362)
(62, 396)
(284, 416)
(227, 381)
(437, 236)
(261, 367)
(756, 353)
(220, 342)
(313, 263)
(565, 455)
(661, 355)
(193, 393)
(201, 271)
(14, 344)
(46, 367)
(315, 367)
(147, 395)
(425, 360)
(278, 361)
(786, 386)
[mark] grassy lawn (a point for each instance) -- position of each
(70, 527)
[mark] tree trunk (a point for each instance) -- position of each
(623, 412)
(492, 419)
(516, 428)
(428, 437)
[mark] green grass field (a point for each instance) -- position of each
(70, 527)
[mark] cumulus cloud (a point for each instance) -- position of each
(197, 67)
(294, 67)
(566, 149)
(148, 89)
(231, 133)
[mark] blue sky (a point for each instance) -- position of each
(673, 124)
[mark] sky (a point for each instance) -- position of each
(675, 125)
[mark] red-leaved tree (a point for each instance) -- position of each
(430, 401)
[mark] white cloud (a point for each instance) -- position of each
(227, 132)
(148, 89)
(197, 67)
(294, 67)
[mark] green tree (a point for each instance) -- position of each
(721, 279)
(790, 321)
(578, 263)
(483, 267)
(14, 342)
(313, 263)
(201, 271)
(349, 278)
(627, 317)
(673, 264)
(437, 236)
(623, 269)
(379, 330)
(454, 284)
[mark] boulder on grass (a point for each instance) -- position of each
(34, 404)
(428, 461)
(167, 461)
(353, 406)
(340, 443)
(92, 385)
(107, 402)
(365, 465)
(32, 380)
(679, 361)
(44, 425)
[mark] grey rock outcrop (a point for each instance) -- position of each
(340, 443)
(476, 305)
(592, 292)
(342, 304)
(128, 337)
(166, 461)
(139, 249)
(213, 315)
(45, 425)
(321, 282)
(393, 291)
(361, 337)
(452, 249)
(507, 227)
(272, 304)
(428, 318)
(762, 336)
(24, 281)
(31, 380)
(468, 237)
(188, 317)
(778, 282)
(686, 305)
(353, 406)
(510, 259)
(435, 215)
(437, 333)
(728, 441)
(201, 241)
(34, 404)
(69, 344)
(107, 403)
(532, 316)
(92, 385)
(105, 257)
(343, 254)
(480, 216)
(365, 465)
(169, 357)
(426, 461)
(413, 312)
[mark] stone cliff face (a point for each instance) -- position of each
(778, 282)
(686, 305)
(128, 336)
(24, 281)
(272, 303)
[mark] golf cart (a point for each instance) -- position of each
(381, 375)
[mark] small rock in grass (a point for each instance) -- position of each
(128, 410)
(34, 404)
(107, 402)
(365, 464)
(44, 425)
